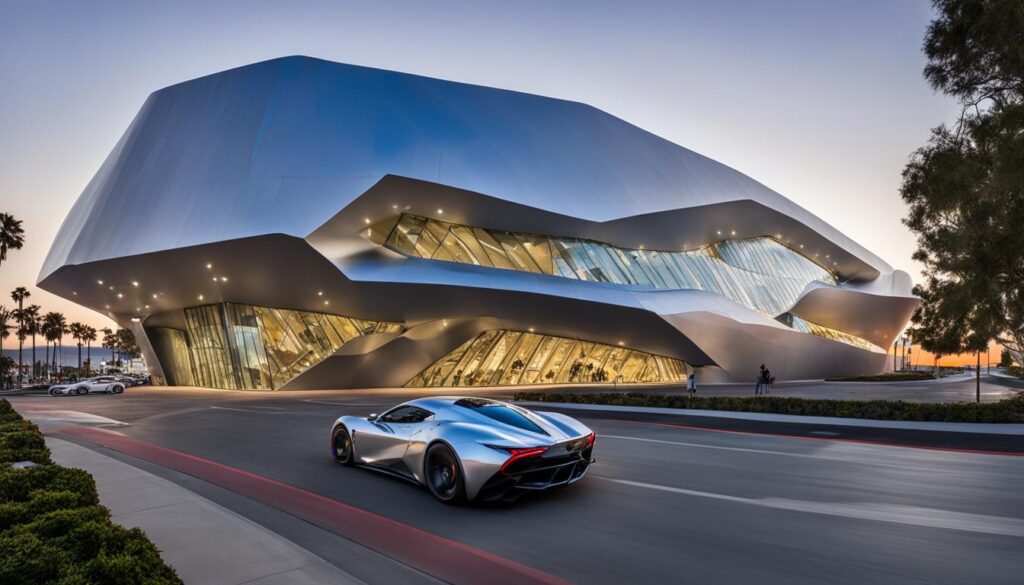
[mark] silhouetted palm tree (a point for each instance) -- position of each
(31, 328)
(109, 342)
(11, 235)
(5, 325)
(89, 337)
(19, 295)
(53, 328)
(78, 333)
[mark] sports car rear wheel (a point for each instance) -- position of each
(117, 389)
(80, 391)
(341, 446)
(444, 474)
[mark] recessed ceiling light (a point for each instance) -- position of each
(106, 306)
(223, 279)
(622, 343)
(74, 292)
(801, 246)
(200, 297)
(327, 302)
(99, 282)
(440, 211)
(214, 279)
(394, 207)
(319, 293)
(719, 232)
(120, 296)
(209, 266)
(147, 306)
(135, 283)
(733, 232)
(154, 295)
(366, 219)
(110, 287)
(531, 329)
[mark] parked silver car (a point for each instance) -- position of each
(467, 448)
(97, 385)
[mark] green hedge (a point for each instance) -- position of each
(890, 377)
(52, 526)
(1010, 410)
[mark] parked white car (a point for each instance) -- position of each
(97, 385)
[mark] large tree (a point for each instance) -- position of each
(965, 188)
(12, 236)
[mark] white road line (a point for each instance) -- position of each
(831, 457)
(251, 411)
(72, 416)
(893, 513)
(349, 403)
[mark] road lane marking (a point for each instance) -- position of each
(253, 411)
(748, 450)
(892, 513)
(349, 403)
(72, 416)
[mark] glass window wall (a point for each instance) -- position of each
(515, 357)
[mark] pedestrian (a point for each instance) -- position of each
(768, 379)
(760, 381)
(691, 384)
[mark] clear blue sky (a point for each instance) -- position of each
(821, 101)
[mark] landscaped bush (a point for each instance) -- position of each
(889, 377)
(52, 526)
(1015, 371)
(1010, 410)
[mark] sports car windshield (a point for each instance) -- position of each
(500, 413)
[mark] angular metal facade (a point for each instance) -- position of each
(244, 216)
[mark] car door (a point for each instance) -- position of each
(385, 443)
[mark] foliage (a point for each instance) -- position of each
(1010, 410)
(965, 188)
(889, 377)
(1005, 359)
(52, 526)
(12, 235)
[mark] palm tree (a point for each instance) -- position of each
(109, 342)
(5, 326)
(11, 235)
(19, 295)
(89, 337)
(54, 325)
(78, 333)
(31, 328)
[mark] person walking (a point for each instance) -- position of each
(767, 379)
(760, 381)
(691, 384)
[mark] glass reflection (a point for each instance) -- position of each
(513, 358)
(759, 273)
(237, 346)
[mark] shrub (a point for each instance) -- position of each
(1010, 410)
(888, 377)
(52, 527)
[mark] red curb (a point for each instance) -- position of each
(443, 558)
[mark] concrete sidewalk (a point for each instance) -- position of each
(204, 542)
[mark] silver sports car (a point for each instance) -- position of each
(99, 384)
(467, 448)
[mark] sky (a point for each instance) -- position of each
(821, 101)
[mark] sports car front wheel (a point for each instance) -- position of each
(80, 391)
(443, 474)
(341, 446)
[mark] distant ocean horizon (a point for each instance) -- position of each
(66, 354)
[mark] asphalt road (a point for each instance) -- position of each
(662, 504)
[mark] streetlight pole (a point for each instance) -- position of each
(977, 381)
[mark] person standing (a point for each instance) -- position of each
(760, 381)
(691, 384)
(767, 379)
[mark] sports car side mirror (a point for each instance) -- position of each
(373, 416)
